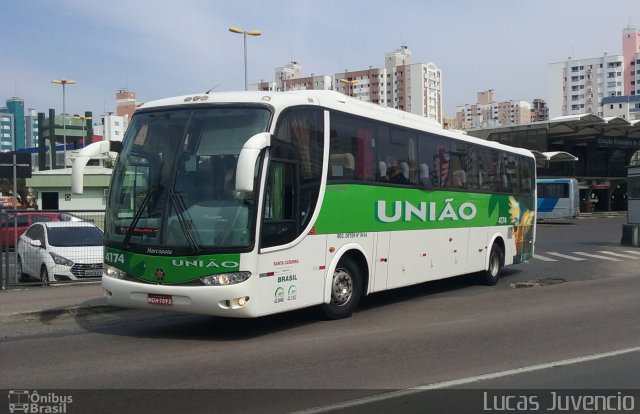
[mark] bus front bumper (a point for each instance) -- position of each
(229, 301)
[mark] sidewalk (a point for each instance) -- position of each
(34, 301)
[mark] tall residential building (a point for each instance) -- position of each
(15, 106)
(401, 84)
(539, 110)
(31, 128)
(292, 70)
(487, 112)
(631, 64)
(113, 127)
(125, 104)
(6, 131)
(577, 86)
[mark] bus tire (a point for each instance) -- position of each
(490, 276)
(346, 290)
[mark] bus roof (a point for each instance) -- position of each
(331, 100)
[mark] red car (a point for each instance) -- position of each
(14, 224)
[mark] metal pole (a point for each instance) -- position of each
(15, 197)
(64, 126)
(246, 84)
(3, 228)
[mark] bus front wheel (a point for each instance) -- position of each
(490, 276)
(346, 289)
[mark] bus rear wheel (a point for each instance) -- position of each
(490, 276)
(346, 290)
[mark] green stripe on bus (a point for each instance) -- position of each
(362, 208)
(171, 269)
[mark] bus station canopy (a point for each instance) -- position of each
(572, 130)
(544, 158)
(588, 125)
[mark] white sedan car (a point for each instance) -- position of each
(54, 251)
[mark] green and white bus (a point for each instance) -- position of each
(247, 204)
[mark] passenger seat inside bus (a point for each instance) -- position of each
(382, 167)
(342, 165)
(423, 169)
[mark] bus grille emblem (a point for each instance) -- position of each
(159, 274)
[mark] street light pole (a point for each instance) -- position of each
(244, 34)
(350, 83)
(64, 83)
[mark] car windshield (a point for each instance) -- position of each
(174, 184)
(75, 236)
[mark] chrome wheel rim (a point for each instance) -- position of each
(494, 265)
(342, 287)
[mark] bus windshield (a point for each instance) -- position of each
(174, 183)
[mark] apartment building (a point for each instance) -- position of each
(539, 110)
(6, 131)
(625, 107)
(112, 128)
(486, 112)
(578, 86)
(125, 104)
(631, 56)
(31, 128)
(400, 84)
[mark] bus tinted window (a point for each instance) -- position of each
(397, 150)
(372, 151)
(352, 149)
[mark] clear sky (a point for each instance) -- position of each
(160, 48)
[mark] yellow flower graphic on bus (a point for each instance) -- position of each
(523, 229)
(514, 209)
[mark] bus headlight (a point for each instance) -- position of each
(114, 272)
(225, 279)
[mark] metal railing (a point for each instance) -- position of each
(71, 253)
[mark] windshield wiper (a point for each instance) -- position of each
(139, 212)
(179, 205)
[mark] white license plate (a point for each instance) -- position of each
(154, 299)
(93, 272)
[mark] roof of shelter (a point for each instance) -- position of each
(577, 127)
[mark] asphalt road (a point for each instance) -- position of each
(448, 333)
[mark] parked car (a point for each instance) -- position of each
(63, 250)
(16, 223)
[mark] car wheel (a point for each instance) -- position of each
(22, 276)
(44, 275)
(490, 276)
(346, 289)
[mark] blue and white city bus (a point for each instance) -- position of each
(558, 198)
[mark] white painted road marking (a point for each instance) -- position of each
(597, 256)
(544, 258)
(564, 256)
(626, 256)
(465, 381)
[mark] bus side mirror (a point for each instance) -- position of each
(245, 169)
